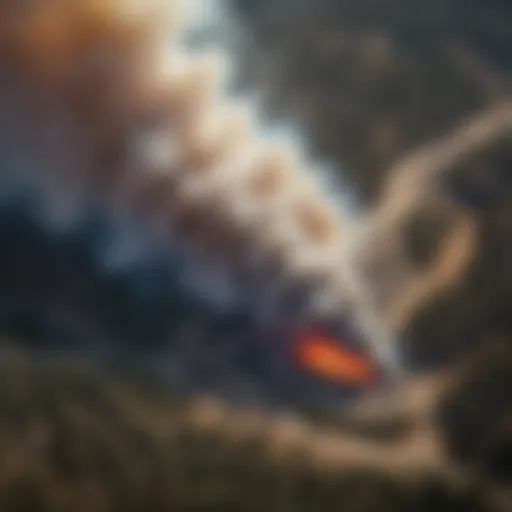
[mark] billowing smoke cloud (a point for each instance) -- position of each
(124, 111)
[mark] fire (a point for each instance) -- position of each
(327, 358)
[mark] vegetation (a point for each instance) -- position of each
(74, 439)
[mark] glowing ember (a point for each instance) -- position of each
(326, 357)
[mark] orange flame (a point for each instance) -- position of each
(326, 357)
